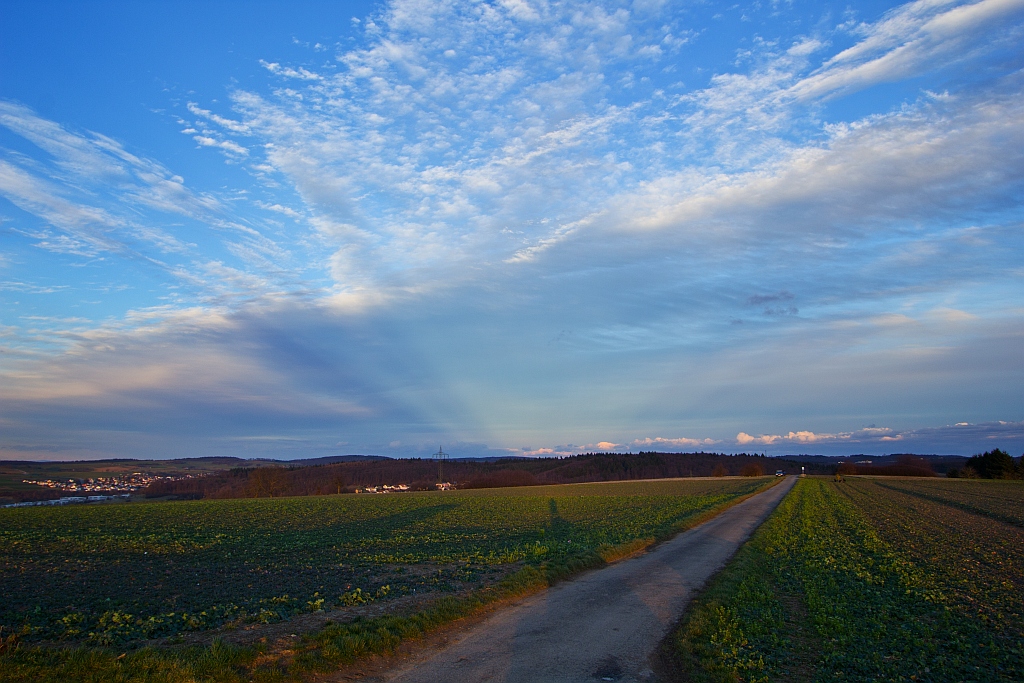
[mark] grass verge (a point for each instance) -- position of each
(219, 662)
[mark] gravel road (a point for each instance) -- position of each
(602, 625)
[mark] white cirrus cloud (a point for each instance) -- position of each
(288, 72)
(911, 38)
(226, 145)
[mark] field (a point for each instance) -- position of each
(998, 499)
(867, 580)
(119, 575)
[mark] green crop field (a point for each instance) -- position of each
(870, 580)
(115, 576)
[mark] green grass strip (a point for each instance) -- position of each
(735, 629)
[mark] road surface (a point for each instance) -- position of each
(602, 625)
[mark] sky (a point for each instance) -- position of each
(516, 227)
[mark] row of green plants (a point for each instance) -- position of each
(857, 581)
(115, 627)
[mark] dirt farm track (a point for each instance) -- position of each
(603, 625)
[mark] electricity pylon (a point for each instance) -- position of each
(440, 456)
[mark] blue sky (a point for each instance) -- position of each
(294, 230)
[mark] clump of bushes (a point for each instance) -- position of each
(752, 470)
(994, 464)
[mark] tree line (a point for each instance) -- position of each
(421, 474)
(994, 464)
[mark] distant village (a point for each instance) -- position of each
(124, 483)
(101, 488)
(399, 488)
